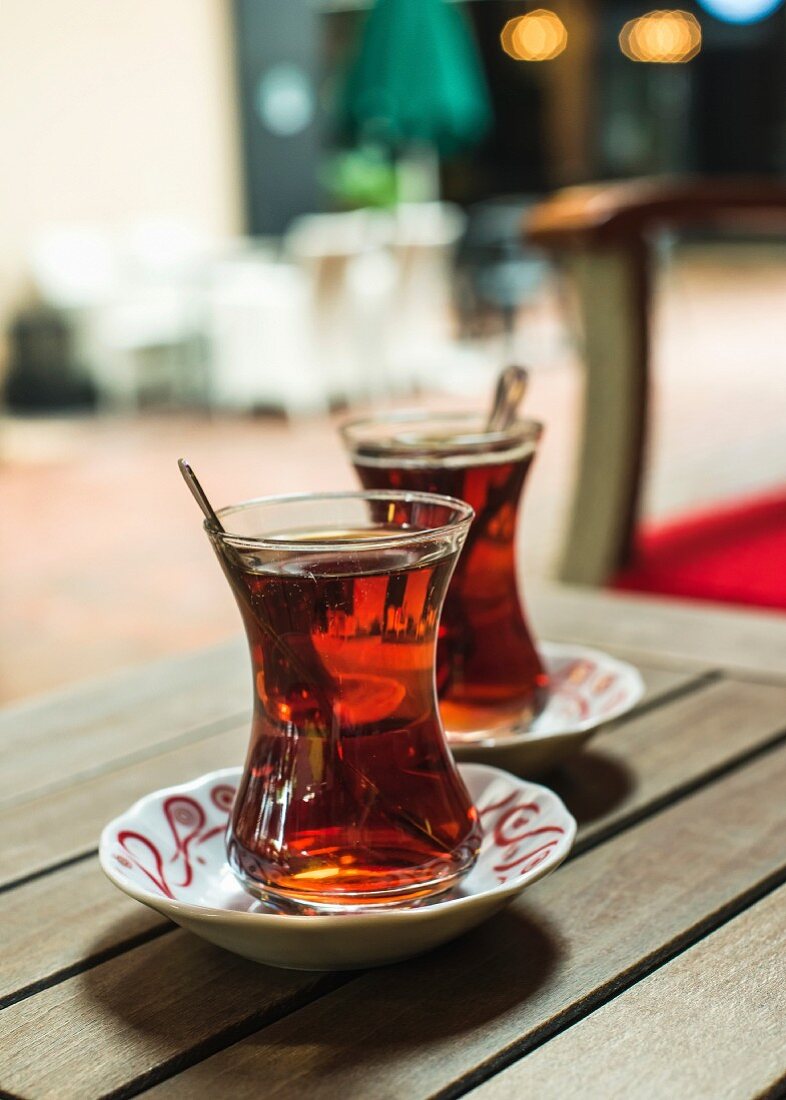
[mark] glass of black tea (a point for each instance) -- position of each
(349, 797)
(490, 678)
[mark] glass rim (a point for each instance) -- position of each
(464, 514)
(479, 445)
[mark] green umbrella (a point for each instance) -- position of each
(416, 79)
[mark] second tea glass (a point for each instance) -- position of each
(490, 678)
(350, 797)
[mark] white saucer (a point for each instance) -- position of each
(588, 689)
(167, 851)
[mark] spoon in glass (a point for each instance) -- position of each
(198, 493)
(511, 386)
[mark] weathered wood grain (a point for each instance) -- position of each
(138, 712)
(63, 920)
(414, 1028)
(52, 743)
(136, 1012)
(661, 680)
(142, 710)
(37, 950)
(751, 644)
(646, 760)
(708, 1025)
(606, 919)
(631, 768)
(418, 1028)
(64, 823)
(59, 826)
(46, 744)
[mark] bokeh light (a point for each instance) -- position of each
(537, 36)
(662, 37)
(740, 11)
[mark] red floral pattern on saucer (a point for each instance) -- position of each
(167, 851)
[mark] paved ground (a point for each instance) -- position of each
(102, 560)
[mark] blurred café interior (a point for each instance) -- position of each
(227, 223)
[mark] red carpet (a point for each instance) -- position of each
(735, 554)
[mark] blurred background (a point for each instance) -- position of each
(226, 222)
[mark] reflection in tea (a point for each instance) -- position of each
(349, 791)
(489, 674)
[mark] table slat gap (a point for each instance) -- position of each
(42, 872)
(39, 811)
(192, 736)
(717, 867)
(776, 1091)
(635, 747)
(602, 1036)
(46, 832)
(650, 966)
(87, 963)
(588, 840)
(697, 682)
(73, 776)
(228, 1037)
(90, 728)
(337, 1020)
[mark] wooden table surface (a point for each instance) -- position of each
(652, 964)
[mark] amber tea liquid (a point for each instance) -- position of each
(489, 674)
(349, 789)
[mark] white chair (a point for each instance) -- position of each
(132, 302)
(346, 257)
(260, 332)
(425, 236)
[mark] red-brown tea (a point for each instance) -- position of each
(349, 789)
(489, 673)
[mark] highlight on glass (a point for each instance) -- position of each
(490, 678)
(350, 796)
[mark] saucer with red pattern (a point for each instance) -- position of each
(167, 851)
(588, 689)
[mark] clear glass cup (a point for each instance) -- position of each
(350, 796)
(490, 678)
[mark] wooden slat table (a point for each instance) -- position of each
(653, 963)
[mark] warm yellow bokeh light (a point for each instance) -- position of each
(663, 37)
(537, 36)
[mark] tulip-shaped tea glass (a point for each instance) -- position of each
(349, 797)
(490, 678)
